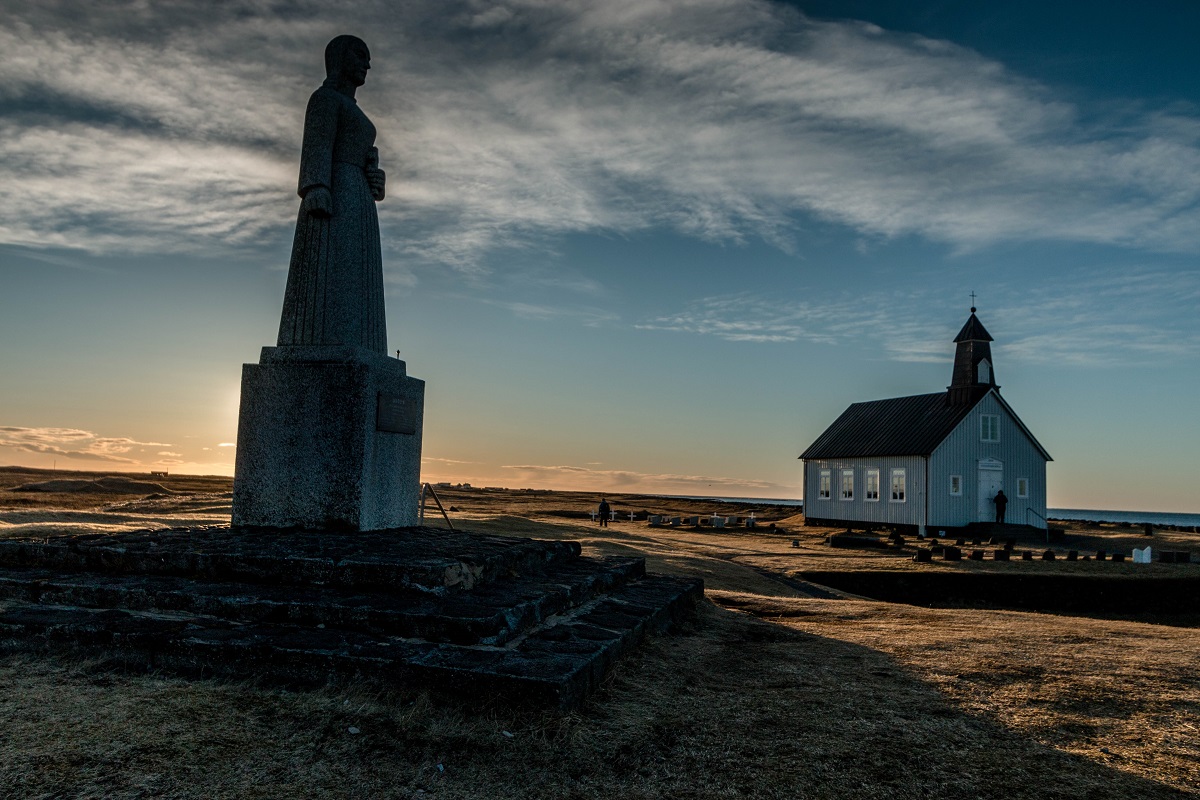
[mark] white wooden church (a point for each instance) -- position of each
(932, 461)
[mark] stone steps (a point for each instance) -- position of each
(491, 614)
(419, 560)
(520, 620)
(557, 663)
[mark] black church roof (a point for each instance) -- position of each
(973, 331)
(898, 426)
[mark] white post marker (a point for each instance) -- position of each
(613, 517)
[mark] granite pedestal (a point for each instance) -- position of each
(329, 437)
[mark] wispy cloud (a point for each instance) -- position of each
(1101, 318)
(1096, 317)
(759, 319)
(72, 443)
(586, 316)
(574, 477)
(176, 126)
(436, 460)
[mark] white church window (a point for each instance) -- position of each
(873, 485)
(847, 484)
(1022, 487)
(985, 372)
(826, 481)
(989, 428)
(956, 485)
(898, 487)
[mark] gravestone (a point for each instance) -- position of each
(329, 431)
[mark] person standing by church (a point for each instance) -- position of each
(1001, 502)
(604, 510)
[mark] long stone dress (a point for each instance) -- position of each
(334, 290)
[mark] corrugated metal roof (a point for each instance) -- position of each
(898, 426)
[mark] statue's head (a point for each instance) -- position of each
(347, 58)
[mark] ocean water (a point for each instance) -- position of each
(1135, 517)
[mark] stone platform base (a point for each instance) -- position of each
(328, 437)
(520, 620)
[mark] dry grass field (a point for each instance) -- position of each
(776, 689)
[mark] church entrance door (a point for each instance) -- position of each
(991, 480)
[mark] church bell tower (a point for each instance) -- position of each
(974, 373)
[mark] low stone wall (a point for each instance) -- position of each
(1026, 592)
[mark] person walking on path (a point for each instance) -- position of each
(604, 512)
(1001, 503)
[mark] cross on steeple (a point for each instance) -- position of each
(972, 301)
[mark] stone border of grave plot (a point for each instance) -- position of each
(1025, 592)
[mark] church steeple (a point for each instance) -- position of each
(973, 368)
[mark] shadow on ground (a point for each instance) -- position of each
(731, 706)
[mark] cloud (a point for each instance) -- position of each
(587, 316)
(433, 459)
(1106, 318)
(759, 319)
(573, 477)
(72, 443)
(1102, 317)
(176, 127)
(227, 444)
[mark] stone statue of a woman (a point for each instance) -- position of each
(334, 290)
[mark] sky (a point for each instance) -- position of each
(631, 245)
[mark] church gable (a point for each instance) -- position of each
(992, 424)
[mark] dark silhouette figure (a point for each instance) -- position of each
(605, 508)
(1001, 502)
